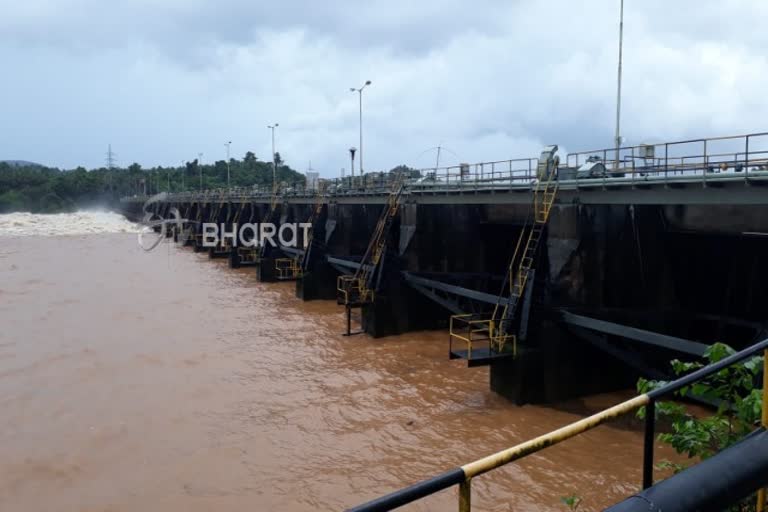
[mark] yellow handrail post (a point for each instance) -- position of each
(465, 495)
(469, 340)
(521, 450)
(764, 423)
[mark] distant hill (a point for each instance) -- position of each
(20, 163)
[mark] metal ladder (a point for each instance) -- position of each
(356, 290)
(489, 336)
(523, 262)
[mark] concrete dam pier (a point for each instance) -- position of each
(567, 276)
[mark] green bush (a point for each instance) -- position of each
(734, 393)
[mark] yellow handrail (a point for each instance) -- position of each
(480, 330)
(287, 268)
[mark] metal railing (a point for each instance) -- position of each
(287, 268)
(688, 158)
(480, 334)
(248, 254)
(462, 476)
(502, 172)
(478, 175)
(703, 159)
(471, 331)
(352, 291)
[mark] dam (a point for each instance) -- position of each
(566, 274)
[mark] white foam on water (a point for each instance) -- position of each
(62, 224)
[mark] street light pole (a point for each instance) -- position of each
(274, 159)
(183, 174)
(618, 85)
(360, 93)
(228, 143)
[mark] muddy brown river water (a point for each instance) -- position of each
(162, 381)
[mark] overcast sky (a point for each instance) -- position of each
(163, 80)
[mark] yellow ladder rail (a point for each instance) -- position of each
(544, 196)
(356, 286)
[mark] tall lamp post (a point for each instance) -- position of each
(360, 93)
(274, 159)
(618, 84)
(228, 143)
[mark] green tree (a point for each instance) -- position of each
(40, 189)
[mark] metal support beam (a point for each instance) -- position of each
(339, 262)
(449, 288)
(451, 306)
(292, 251)
(633, 333)
(622, 355)
(342, 270)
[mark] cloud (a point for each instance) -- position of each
(490, 80)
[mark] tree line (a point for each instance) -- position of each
(40, 189)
